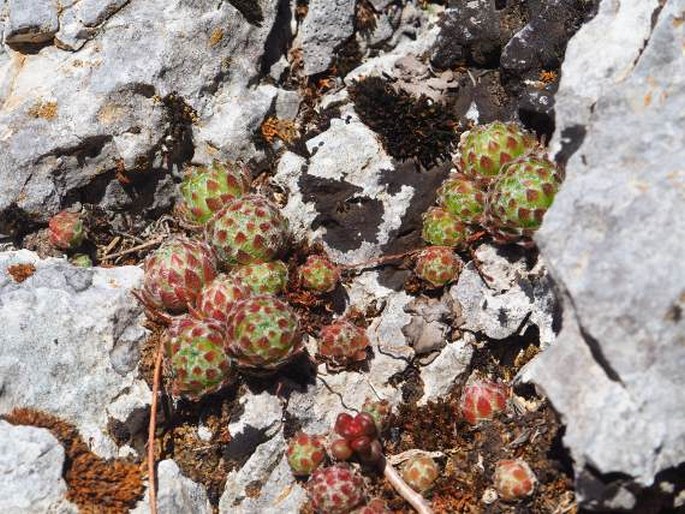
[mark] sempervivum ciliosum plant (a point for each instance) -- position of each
(342, 343)
(420, 472)
(305, 452)
(263, 333)
(514, 479)
(66, 230)
(380, 411)
(196, 357)
(438, 265)
(443, 229)
(176, 273)
(217, 297)
(263, 277)
(319, 275)
(82, 260)
(335, 489)
(482, 399)
(205, 190)
(249, 229)
(519, 198)
(358, 436)
(485, 148)
(461, 197)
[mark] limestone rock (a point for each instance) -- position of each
(176, 493)
(70, 345)
(31, 462)
(327, 25)
(31, 22)
(613, 241)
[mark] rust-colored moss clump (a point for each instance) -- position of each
(409, 127)
(20, 272)
(94, 484)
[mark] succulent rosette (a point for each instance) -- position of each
(335, 489)
(462, 198)
(176, 273)
(196, 357)
(438, 265)
(66, 230)
(514, 479)
(249, 229)
(440, 228)
(219, 296)
(482, 399)
(485, 148)
(263, 333)
(263, 277)
(319, 275)
(342, 342)
(519, 198)
(420, 472)
(206, 190)
(305, 453)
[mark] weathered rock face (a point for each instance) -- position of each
(120, 95)
(70, 345)
(31, 461)
(614, 240)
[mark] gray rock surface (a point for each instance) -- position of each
(76, 117)
(31, 22)
(613, 241)
(31, 461)
(328, 24)
(516, 296)
(176, 493)
(70, 345)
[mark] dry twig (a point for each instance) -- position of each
(152, 428)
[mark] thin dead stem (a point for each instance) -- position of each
(378, 261)
(152, 428)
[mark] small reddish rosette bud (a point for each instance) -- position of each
(441, 228)
(176, 273)
(379, 410)
(219, 296)
(342, 343)
(336, 489)
(340, 449)
(514, 479)
(438, 265)
(482, 399)
(305, 452)
(319, 275)
(420, 472)
(66, 230)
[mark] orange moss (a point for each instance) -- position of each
(20, 272)
(274, 128)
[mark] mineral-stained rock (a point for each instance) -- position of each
(31, 462)
(613, 241)
(70, 345)
(77, 118)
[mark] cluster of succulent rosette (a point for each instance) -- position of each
(335, 484)
(503, 186)
(482, 400)
(227, 288)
